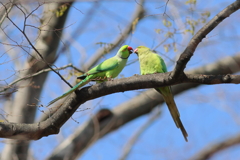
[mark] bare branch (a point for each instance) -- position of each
(30, 43)
(136, 107)
(188, 52)
(38, 73)
(213, 149)
(54, 123)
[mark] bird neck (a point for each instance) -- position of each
(123, 56)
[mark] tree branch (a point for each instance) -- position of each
(54, 123)
(38, 73)
(198, 37)
(213, 149)
(136, 107)
(31, 44)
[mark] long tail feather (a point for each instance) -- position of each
(168, 97)
(80, 84)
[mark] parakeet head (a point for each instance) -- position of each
(141, 50)
(125, 51)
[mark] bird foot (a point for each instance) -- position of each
(109, 79)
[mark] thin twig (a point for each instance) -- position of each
(33, 47)
(38, 73)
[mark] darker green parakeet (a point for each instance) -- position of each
(110, 68)
(151, 63)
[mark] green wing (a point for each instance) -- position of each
(107, 65)
(161, 66)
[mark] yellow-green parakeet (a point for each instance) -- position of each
(151, 63)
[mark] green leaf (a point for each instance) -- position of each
(61, 10)
(174, 47)
(167, 23)
(190, 31)
(207, 14)
(158, 31)
(169, 34)
(166, 47)
(191, 2)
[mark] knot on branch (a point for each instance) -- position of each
(227, 78)
(174, 77)
(52, 129)
(103, 114)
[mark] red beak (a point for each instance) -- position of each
(130, 49)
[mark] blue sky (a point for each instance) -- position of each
(210, 113)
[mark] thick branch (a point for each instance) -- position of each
(23, 131)
(188, 52)
(213, 149)
(142, 104)
(120, 85)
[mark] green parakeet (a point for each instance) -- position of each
(110, 68)
(151, 63)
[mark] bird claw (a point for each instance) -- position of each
(109, 79)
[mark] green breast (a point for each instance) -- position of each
(115, 72)
(151, 63)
